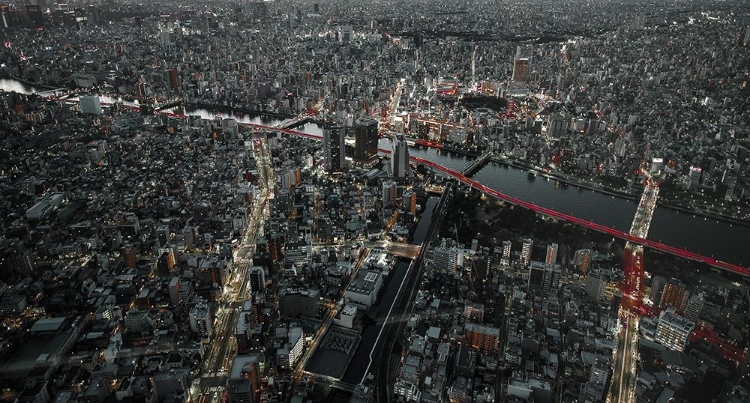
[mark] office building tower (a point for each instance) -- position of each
(594, 285)
(174, 291)
(201, 319)
(164, 39)
(657, 287)
(174, 82)
(333, 147)
(257, 280)
(90, 104)
(294, 302)
(507, 250)
(191, 237)
(520, 68)
(347, 33)
(695, 177)
(400, 158)
(582, 260)
(694, 307)
(551, 254)
(483, 338)
(445, 257)
(526, 248)
(544, 277)
(675, 295)
(212, 271)
(366, 139)
(389, 193)
(558, 126)
(673, 331)
(474, 311)
(409, 202)
(187, 290)
(128, 255)
(16, 260)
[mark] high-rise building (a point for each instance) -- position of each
(558, 126)
(174, 291)
(257, 280)
(675, 294)
(128, 255)
(483, 338)
(174, 82)
(366, 139)
(694, 307)
(657, 287)
(551, 254)
(507, 250)
(474, 311)
(333, 147)
(445, 257)
(389, 193)
(595, 285)
(695, 177)
(400, 158)
(201, 319)
(582, 260)
(526, 248)
(520, 68)
(673, 331)
(544, 277)
(212, 271)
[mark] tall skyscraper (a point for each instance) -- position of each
(201, 319)
(389, 193)
(520, 69)
(521, 62)
(695, 177)
(366, 137)
(128, 255)
(544, 277)
(582, 260)
(526, 249)
(551, 254)
(174, 82)
(507, 250)
(333, 146)
(675, 294)
(257, 279)
(400, 158)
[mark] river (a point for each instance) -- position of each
(709, 237)
(718, 239)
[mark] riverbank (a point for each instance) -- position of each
(619, 193)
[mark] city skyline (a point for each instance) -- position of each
(241, 202)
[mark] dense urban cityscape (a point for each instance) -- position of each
(396, 201)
